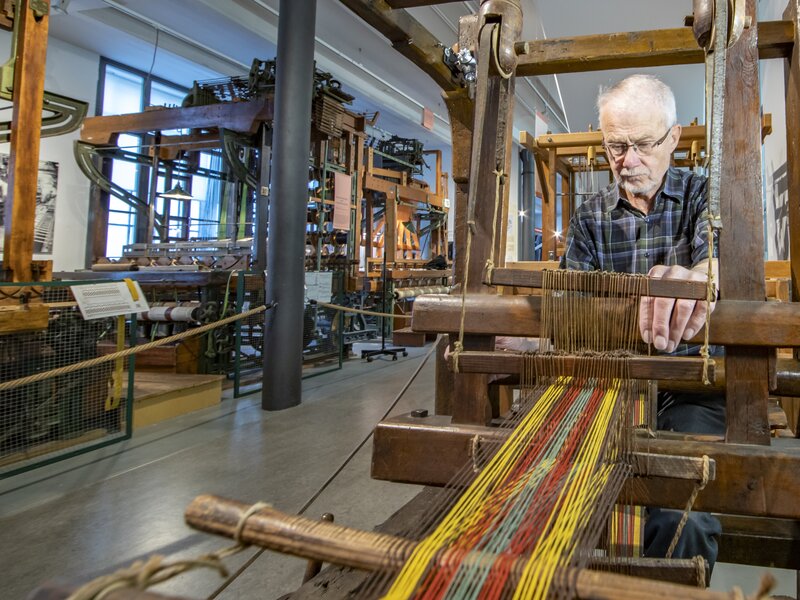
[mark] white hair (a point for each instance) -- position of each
(634, 91)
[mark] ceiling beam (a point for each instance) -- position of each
(414, 3)
(635, 49)
(407, 36)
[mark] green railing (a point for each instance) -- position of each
(62, 414)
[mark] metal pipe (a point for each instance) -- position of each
(527, 207)
(262, 199)
(283, 344)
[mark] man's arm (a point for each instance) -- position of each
(665, 321)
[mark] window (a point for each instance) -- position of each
(126, 90)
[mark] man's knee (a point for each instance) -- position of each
(699, 537)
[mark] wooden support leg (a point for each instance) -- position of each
(26, 123)
(742, 238)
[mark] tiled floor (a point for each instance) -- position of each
(94, 513)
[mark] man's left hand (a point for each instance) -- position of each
(665, 321)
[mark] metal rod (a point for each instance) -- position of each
(283, 339)
(527, 207)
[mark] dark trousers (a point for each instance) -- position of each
(687, 413)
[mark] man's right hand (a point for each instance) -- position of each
(665, 321)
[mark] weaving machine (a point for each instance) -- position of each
(546, 466)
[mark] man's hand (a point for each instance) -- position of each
(665, 321)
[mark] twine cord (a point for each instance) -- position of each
(143, 574)
(698, 487)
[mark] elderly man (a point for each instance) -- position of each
(653, 220)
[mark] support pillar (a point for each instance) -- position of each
(527, 206)
(26, 124)
(283, 335)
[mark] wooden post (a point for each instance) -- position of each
(549, 206)
(742, 237)
(792, 76)
(26, 124)
(390, 226)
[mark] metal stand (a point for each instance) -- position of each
(383, 350)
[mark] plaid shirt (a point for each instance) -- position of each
(608, 234)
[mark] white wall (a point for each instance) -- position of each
(776, 195)
(71, 71)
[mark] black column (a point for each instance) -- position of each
(283, 342)
(527, 204)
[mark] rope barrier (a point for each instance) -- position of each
(14, 383)
(361, 311)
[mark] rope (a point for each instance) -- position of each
(143, 574)
(500, 178)
(14, 383)
(685, 517)
(710, 293)
(362, 312)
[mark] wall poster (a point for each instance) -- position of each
(45, 219)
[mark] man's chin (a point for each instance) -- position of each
(637, 189)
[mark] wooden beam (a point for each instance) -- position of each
(741, 243)
(759, 541)
(665, 288)
(733, 322)
(407, 36)
(26, 124)
(653, 48)
(750, 479)
(641, 367)
(243, 117)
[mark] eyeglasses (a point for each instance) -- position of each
(618, 150)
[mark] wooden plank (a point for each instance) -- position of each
(665, 288)
(27, 317)
(401, 443)
(760, 542)
(779, 269)
(768, 324)
(405, 192)
(750, 479)
(26, 124)
(743, 234)
(641, 367)
(636, 49)
(243, 117)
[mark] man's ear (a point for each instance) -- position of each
(675, 137)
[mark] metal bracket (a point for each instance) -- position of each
(40, 8)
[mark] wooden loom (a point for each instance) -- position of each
(752, 477)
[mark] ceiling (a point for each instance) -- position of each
(204, 39)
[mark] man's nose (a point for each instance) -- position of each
(630, 158)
